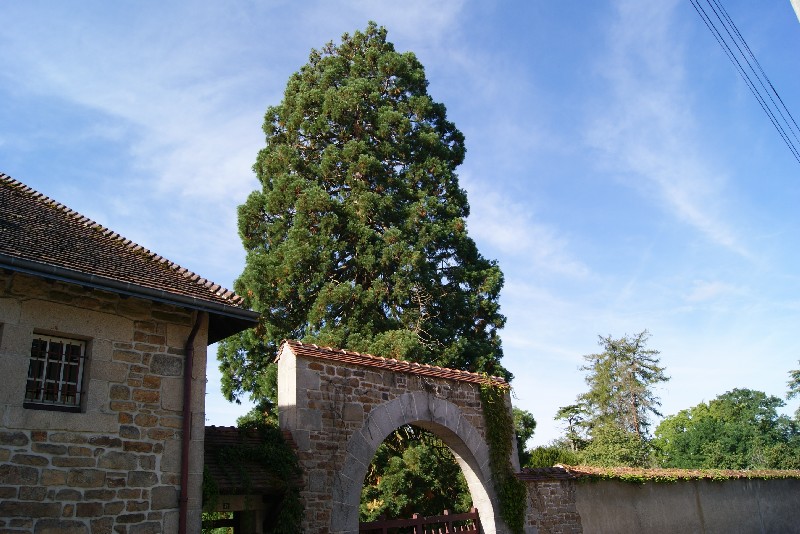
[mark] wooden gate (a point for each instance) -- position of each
(446, 523)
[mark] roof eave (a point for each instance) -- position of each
(224, 320)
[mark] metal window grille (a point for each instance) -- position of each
(55, 373)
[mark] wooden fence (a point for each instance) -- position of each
(446, 523)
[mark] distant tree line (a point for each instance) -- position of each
(609, 425)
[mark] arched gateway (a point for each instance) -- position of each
(341, 405)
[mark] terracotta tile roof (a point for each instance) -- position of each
(400, 366)
(47, 238)
(249, 476)
(544, 474)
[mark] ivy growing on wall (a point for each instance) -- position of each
(511, 492)
(278, 458)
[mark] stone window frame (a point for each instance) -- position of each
(46, 386)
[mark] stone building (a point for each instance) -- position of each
(102, 359)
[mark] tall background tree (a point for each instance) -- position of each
(357, 239)
(612, 419)
(794, 389)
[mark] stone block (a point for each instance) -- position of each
(118, 461)
(142, 479)
(147, 396)
(105, 441)
(19, 522)
(409, 407)
(127, 356)
(137, 446)
(102, 526)
(49, 448)
(137, 506)
(119, 392)
(29, 459)
(166, 365)
(172, 394)
(131, 518)
(72, 461)
(86, 478)
(360, 449)
(163, 497)
(114, 372)
(115, 482)
(75, 450)
(99, 495)
(150, 527)
(129, 432)
(29, 509)
(113, 508)
(32, 493)
(68, 494)
(89, 509)
(160, 434)
(8, 492)
(13, 439)
(60, 526)
(151, 382)
(129, 493)
(171, 459)
(17, 475)
(122, 406)
(353, 412)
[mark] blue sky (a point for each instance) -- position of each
(617, 167)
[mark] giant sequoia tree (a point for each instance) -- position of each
(357, 237)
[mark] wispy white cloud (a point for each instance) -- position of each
(509, 227)
(645, 132)
(707, 290)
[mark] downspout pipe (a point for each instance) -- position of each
(187, 424)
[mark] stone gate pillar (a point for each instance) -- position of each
(341, 405)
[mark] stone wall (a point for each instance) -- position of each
(562, 503)
(551, 507)
(734, 506)
(114, 467)
(340, 412)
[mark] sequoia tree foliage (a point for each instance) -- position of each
(357, 237)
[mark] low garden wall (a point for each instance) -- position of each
(571, 501)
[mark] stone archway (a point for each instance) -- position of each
(340, 406)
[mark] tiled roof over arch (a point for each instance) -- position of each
(401, 366)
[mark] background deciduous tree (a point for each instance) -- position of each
(740, 429)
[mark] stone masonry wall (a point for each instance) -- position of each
(552, 508)
(115, 468)
(338, 413)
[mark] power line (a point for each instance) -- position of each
(739, 53)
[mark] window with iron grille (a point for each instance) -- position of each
(55, 373)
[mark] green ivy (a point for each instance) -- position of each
(511, 492)
(642, 476)
(278, 458)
